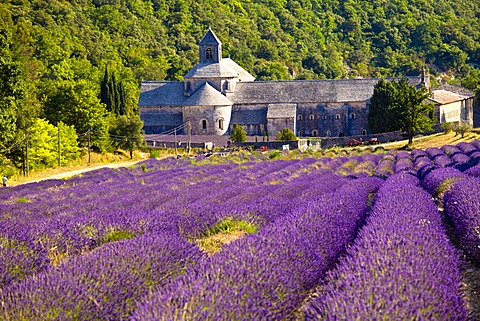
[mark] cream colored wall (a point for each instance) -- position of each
(451, 112)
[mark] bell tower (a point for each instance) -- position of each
(210, 48)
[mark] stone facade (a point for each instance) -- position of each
(218, 94)
(453, 105)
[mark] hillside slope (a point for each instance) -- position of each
(152, 39)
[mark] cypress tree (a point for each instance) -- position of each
(113, 94)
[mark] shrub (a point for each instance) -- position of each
(286, 134)
(447, 127)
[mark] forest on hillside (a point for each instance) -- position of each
(55, 54)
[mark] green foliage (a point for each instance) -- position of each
(382, 113)
(238, 134)
(274, 154)
(43, 144)
(113, 94)
(76, 104)
(447, 127)
(118, 235)
(127, 133)
(23, 200)
(53, 54)
(154, 153)
(286, 134)
(229, 224)
(224, 232)
(462, 129)
(397, 105)
(415, 115)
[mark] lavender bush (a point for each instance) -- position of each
(102, 285)
(251, 280)
(393, 271)
(462, 206)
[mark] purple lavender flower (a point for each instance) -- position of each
(252, 279)
(441, 179)
(102, 285)
(393, 270)
(462, 206)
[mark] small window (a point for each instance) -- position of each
(337, 116)
(325, 117)
(364, 132)
(209, 53)
(314, 133)
(329, 133)
(352, 115)
(311, 117)
(300, 118)
(204, 124)
(220, 123)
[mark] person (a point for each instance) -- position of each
(4, 181)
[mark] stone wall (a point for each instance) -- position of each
(329, 142)
(331, 119)
(211, 115)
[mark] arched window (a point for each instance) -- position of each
(325, 116)
(311, 117)
(352, 115)
(314, 133)
(209, 53)
(364, 132)
(329, 133)
(337, 116)
(300, 118)
(204, 124)
(220, 123)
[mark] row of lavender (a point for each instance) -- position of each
(106, 283)
(115, 204)
(401, 267)
(183, 200)
(464, 156)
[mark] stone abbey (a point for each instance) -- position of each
(218, 94)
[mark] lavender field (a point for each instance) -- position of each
(371, 237)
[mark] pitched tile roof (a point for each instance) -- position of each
(249, 116)
(206, 95)
(446, 97)
(269, 92)
(161, 93)
(212, 70)
(154, 119)
(244, 75)
(306, 91)
(210, 38)
(281, 111)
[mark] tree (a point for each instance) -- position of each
(382, 113)
(399, 106)
(76, 104)
(44, 144)
(462, 129)
(127, 133)
(415, 115)
(113, 94)
(286, 134)
(238, 134)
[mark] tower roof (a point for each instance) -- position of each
(210, 38)
(207, 96)
(212, 70)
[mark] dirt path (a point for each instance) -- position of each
(75, 172)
